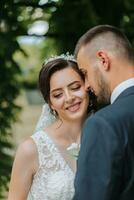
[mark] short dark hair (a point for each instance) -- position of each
(49, 69)
(102, 30)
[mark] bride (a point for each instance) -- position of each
(45, 165)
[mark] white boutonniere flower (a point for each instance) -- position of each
(73, 150)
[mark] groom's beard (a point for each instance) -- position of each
(103, 96)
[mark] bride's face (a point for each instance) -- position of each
(67, 95)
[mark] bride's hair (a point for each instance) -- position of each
(49, 68)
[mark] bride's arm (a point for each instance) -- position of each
(24, 167)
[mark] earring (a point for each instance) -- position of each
(54, 112)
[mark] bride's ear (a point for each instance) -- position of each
(52, 108)
(54, 112)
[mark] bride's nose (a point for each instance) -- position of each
(69, 97)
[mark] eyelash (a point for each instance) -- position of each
(57, 96)
(74, 88)
(77, 87)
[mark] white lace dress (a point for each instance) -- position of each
(54, 179)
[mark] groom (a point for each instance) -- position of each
(106, 161)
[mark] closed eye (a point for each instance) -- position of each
(76, 87)
(57, 95)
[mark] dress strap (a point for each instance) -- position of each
(44, 146)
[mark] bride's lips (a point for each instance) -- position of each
(74, 107)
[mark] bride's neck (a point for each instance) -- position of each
(69, 131)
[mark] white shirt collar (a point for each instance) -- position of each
(120, 88)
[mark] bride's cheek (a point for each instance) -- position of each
(81, 94)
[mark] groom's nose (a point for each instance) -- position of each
(87, 86)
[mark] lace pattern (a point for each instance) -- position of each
(54, 179)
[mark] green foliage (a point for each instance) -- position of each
(16, 16)
(119, 13)
(29, 64)
(71, 19)
(49, 48)
(9, 86)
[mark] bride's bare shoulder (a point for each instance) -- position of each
(27, 147)
(27, 153)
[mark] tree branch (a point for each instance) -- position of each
(36, 5)
(51, 35)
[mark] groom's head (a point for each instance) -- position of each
(107, 57)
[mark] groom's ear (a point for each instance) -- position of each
(104, 59)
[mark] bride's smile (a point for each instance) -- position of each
(75, 107)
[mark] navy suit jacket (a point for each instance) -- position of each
(105, 168)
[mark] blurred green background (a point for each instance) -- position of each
(30, 32)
